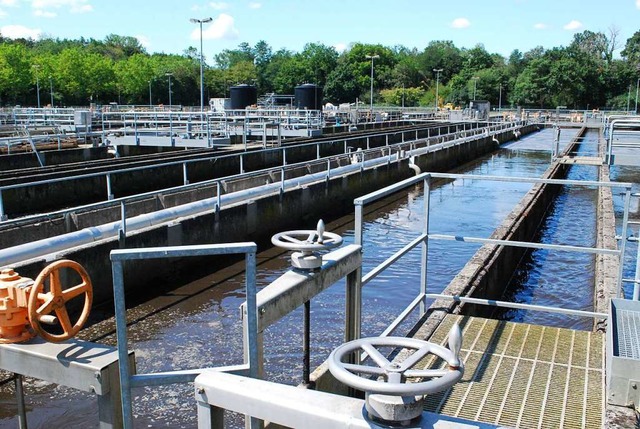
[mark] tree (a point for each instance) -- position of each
(631, 50)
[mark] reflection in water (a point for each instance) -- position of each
(204, 328)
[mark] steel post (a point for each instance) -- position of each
(425, 244)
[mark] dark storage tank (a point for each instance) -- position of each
(308, 96)
(243, 96)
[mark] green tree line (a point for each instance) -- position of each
(584, 74)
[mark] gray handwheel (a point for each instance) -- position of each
(392, 376)
(307, 240)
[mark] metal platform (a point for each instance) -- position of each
(526, 376)
(581, 160)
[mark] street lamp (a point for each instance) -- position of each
(168, 74)
(150, 102)
(36, 67)
(629, 99)
(201, 21)
(372, 57)
(475, 82)
(437, 83)
(637, 85)
(51, 90)
(500, 99)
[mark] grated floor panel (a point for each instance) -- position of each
(524, 376)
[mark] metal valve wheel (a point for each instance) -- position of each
(392, 395)
(43, 304)
(304, 243)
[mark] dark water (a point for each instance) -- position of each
(199, 325)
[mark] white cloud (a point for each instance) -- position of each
(340, 47)
(541, 26)
(73, 6)
(255, 5)
(638, 4)
(219, 5)
(44, 13)
(9, 3)
(19, 31)
(460, 23)
(223, 27)
(144, 40)
(573, 25)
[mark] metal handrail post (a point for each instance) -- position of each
(636, 280)
(425, 245)
(623, 242)
(357, 229)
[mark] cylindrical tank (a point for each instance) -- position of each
(308, 96)
(243, 96)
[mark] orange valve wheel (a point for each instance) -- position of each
(43, 304)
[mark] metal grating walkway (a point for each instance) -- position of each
(628, 331)
(524, 376)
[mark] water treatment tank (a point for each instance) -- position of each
(308, 96)
(243, 96)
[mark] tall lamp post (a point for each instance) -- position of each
(168, 74)
(500, 99)
(372, 57)
(637, 86)
(475, 85)
(37, 67)
(437, 84)
(201, 21)
(628, 99)
(51, 90)
(150, 99)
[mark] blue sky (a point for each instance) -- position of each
(163, 25)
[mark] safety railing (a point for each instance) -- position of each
(463, 135)
(128, 380)
(423, 241)
(631, 123)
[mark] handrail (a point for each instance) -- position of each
(250, 318)
(184, 163)
(426, 236)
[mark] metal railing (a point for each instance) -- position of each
(127, 379)
(423, 241)
(464, 135)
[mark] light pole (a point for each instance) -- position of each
(51, 90)
(169, 76)
(628, 99)
(150, 102)
(475, 83)
(637, 86)
(201, 21)
(437, 84)
(372, 57)
(500, 99)
(36, 67)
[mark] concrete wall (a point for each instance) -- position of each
(51, 157)
(50, 197)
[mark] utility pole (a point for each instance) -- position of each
(372, 57)
(437, 84)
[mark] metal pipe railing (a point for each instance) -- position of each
(250, 320)
(426, 236)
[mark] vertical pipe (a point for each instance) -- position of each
(241, 164)
(22, 412)
(306, 343)
(284, 156)
(218, 196)
(425, 245)
(3, 216)
(623, 240)
(357, 233)
(185, 179)
(123, 349)
(636, 283)
(109, 194)
(122, 233)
